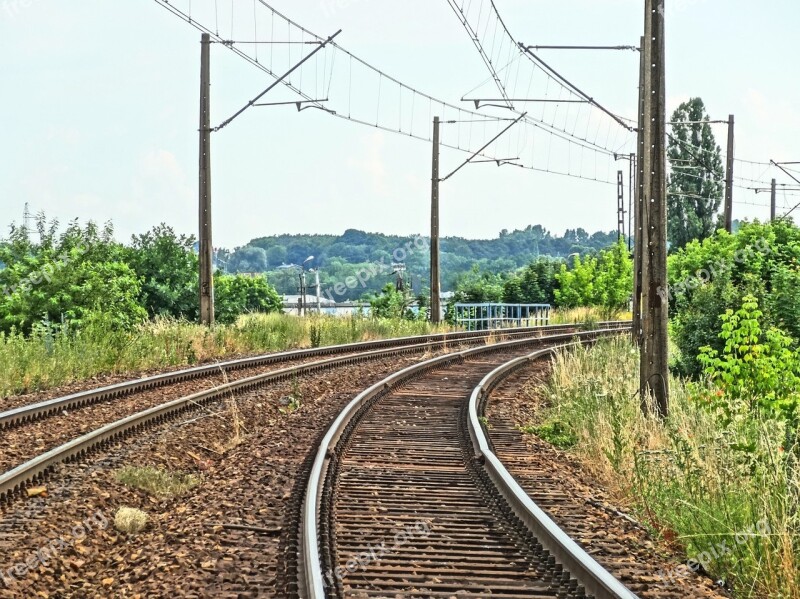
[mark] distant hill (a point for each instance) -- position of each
(353, 252)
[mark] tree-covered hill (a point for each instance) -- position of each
(343, 256)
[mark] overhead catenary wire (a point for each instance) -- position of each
(395, 117)
(508, 96)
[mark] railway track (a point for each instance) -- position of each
(572, 499)
(405, 497)
(112, 425)
(22, 414)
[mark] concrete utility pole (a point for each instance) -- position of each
(773, 198)
(729, 179)
(640, 232)
(436, 307)
(206, 247)
(631, 192)
(654, 359)
(620, 206)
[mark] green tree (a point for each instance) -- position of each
(756, 371)
(603, 281)
(249, 259)
(276, 256)
(168, 269)
(709, 277)
(534, 284)
(392, 303)
(576, 286)
(235, 295)
(694, 187)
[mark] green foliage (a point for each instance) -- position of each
(167, 267)
(55, 354)
(576, 286)
(82, 276)
(252, 260)
(757, 371)
(74, 277)
(605, 281)
(534, 284)
(339, 257)
(709, 277)
(693, 478)
(696, 181)
(235, 295)
(392, 303)
(555, 432)
(478, 287)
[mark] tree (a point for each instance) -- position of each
(238, 294)
(604, 281)
(576, 287)
(276, 256)
(167, 267)
(75, 277)
(392, 303)
(695, 184)
(708, 278)
(249, 259)
(534, 284)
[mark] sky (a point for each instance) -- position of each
(100, 107)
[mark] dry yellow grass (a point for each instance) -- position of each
(130, 520)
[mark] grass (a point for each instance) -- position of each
(590, 316)
(53, 357)
(156, 481)
(727, 496)
(130, 520)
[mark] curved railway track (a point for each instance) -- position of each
(405, 497)
(112, 427)
(18, 415)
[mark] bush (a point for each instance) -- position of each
(605, 281)
(708, 278)
(130, 520)
(235, 295)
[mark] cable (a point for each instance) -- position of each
(344, 103)
(489, 61)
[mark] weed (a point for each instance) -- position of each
(156, 481)
(130, 520)
(556, 433)
(695, 478)
(54, 354)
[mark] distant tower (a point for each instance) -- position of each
(26, 217)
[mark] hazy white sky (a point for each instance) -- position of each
(100, 101)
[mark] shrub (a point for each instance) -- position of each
(708, 278)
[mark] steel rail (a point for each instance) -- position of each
(597, 581)
(49, 407)
(15, 480)
(312, 583)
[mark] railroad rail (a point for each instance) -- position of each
(43, 409)
(37, 468)
(406, 457)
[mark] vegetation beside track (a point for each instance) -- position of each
(53, 356)
(724, 463)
